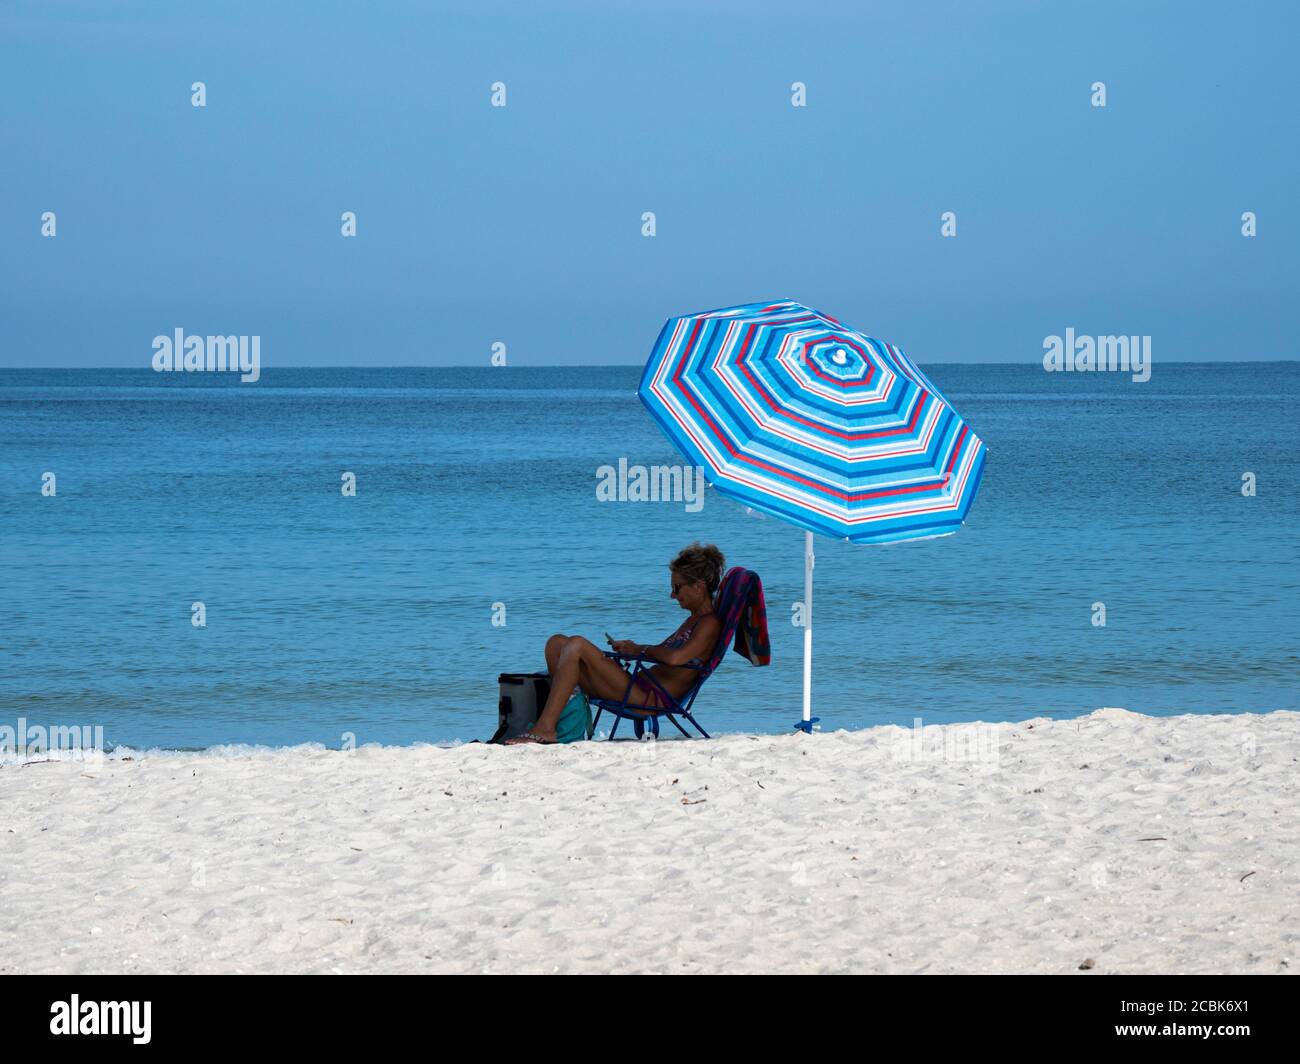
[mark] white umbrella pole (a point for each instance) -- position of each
(807, 722)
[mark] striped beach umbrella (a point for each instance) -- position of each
(800, 416)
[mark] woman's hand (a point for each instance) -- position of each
(625, 646)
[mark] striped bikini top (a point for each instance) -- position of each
(683, 635)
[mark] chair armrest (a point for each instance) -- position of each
(629, 657)
(643, 658)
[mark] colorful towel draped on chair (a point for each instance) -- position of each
(746, 613)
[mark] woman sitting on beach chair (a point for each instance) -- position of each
(574, 661)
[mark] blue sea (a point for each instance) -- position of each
(374, 615)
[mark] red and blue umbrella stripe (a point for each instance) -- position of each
(796, 414)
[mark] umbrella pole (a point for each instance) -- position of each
(808, 720)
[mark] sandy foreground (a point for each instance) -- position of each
(1139, 844)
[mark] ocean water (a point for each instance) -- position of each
(373, 615)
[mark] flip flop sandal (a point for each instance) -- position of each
(529, 739)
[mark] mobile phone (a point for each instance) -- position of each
(609, 639)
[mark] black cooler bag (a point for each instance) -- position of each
(523, 694)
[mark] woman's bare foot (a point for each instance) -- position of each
(531, 737)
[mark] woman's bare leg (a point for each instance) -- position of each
(553, 647)
(579, 661)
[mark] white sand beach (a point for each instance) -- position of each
(1117, 841)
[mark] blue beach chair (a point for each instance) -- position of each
(739, 589)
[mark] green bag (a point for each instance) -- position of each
(575, 720)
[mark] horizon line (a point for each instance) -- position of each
(611, 365)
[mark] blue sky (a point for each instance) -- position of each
(522, 224)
